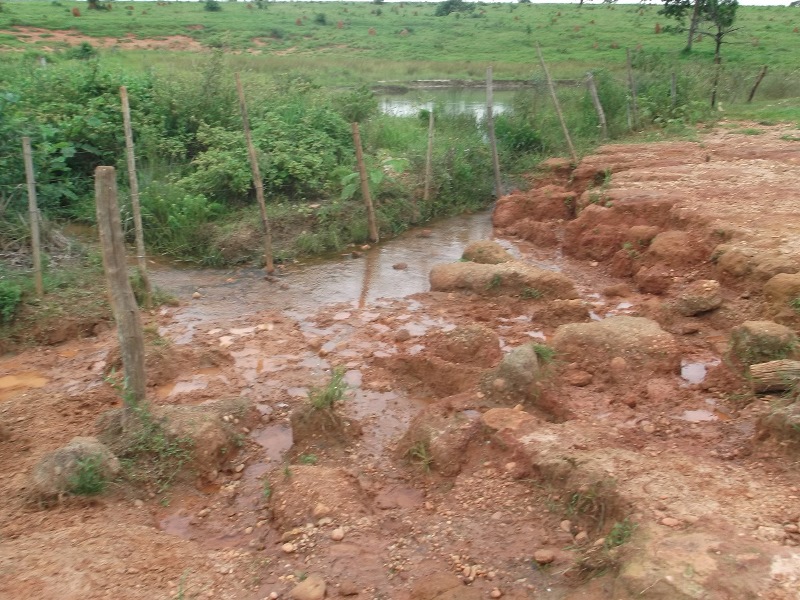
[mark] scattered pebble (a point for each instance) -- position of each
(544, 557)
(288, 548)
(337, 535)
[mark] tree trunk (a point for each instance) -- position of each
(693, 24)
(718, 63)
(775, 376)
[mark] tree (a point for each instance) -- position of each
(720, 15)
(678, 9)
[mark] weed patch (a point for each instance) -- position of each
(89, 479)
(325, 398)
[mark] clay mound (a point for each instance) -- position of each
(486, 252)
(435, 375)
(639, 341)
(506, 279)
(546, 203)
(471, 345)
(296, 498)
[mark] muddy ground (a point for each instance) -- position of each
(635, 464)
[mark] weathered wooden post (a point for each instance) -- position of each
(673, 90)
(598, 106)
(498, 182)
(141, 258)
(362, 172)
(761, 75)
(632, 85)
(123, 302)
(258, 183)
(428, 163)
(561, 120)
(33, 211)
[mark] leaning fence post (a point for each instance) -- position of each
(601, 115)
(362, 172)
(761, 75)
(561, 120)
(33, 211)
(141, 259)
(498, 183)
(258, 183)
(123, 302)
(428, 162)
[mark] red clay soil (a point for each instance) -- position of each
(620, 475)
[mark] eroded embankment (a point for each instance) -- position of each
(621, 455)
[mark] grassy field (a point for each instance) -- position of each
(346, 42)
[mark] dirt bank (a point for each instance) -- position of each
(634, 463)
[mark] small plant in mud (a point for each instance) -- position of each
(420, 453)
(308, 459)
(621, 532)
(88, 479)
(325, 398)
(544, 353)
(494, 282)
(631, 251)
(287, 471)
(266, 490)
(531, 294)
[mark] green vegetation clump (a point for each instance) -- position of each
(88, 479)
(10, 297)
(546, 354)
(327, 397)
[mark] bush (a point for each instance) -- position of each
(89, 479)
(212, 5)
(10, 297)
(320, 19)
(453, 6)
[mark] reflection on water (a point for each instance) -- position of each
(230, 294)
(458, 101)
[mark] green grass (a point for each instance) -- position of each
(325, 398)
(409, 42)
(546, 354)
(420, 454)
(88, 479)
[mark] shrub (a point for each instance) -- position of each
(88, 479)
(10, 297)
(325, 398)
(212, 5)
(453, 6)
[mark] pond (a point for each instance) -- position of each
(454, 101)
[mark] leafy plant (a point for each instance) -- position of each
(10, 297)
(266, 490)
(308, 459)
(420, 453)
(325, 398)
(529, 293)
(620, 533)
(88, 479)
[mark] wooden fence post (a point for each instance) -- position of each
(498, 182)
(428, 161)
(552, 89)
(632, 85)
(141, 259)
(673, 90)
(258, 183)
(33, 211)
(601, 115)
(761, 75)
(123, 302)
(362, 172)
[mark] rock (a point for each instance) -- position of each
(348, 587)
(486, 252)
(640, 236)
(337, 535)
(321, 510)
(578, 378)
(734, 261)
(402, 335)
(544, 556)
(288, 548)
(640, 342)
(65, 470)
(762, 341)
(670, 522)
(699, 297)
(511, 279)
(311, 588)
(495, 593)
(401, 266)
(560, 312)
(515, 421)
(197, 295)
(769, 266)
(619, 290)
(515, 377)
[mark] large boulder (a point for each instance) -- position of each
(486, 252)
(638, 343)
(699, 297)
(507, 279)
(61, 471)
(762, 341)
